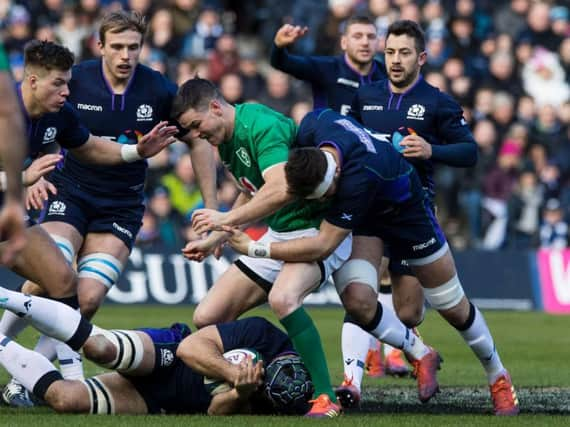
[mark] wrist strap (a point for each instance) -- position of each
(129, 153)
(259, 249)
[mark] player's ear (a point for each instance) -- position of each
(343, 42)
(215, 107)
(422, 58)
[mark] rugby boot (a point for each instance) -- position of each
(395, 365)
(348, 394)
(15, 395)
(323, 407)
(373, 364)
(505, 401)
(425, 372)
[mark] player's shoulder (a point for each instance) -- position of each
(260, 116)
(153, 80)
(376, 88)
(442, 99)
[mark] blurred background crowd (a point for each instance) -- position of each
(507, 62)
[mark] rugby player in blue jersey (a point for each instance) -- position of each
(378, 196)
(49, 119)
(119, 98)
(159, 370)
(428, 127)
(334, 81)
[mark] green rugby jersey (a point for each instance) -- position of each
(4, 65)
(261, 139)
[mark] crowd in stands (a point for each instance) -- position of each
(507, 62)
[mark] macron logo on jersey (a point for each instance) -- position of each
(89, 107)
(416, 112)
(373, 108)
(347, 82)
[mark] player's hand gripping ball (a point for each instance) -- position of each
(235, 357)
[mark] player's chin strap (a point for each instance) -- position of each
(327, 181)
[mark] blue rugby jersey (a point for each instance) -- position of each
(63, 127)
(333, 80)
(123, 118)
(432, 114)
(374, 176)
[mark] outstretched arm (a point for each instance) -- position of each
(272, 196)
(103, 151)
(204, 165)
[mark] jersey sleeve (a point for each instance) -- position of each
(354, 111)
(74, 134)
(256, 333)
(272, 142)
(452, 126)
(308, 68)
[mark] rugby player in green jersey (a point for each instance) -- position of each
(253, 142)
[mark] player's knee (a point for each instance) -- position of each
(283, 303)
(60, 399)
(411, 315)
(205, 316)
(89, 304)
(447, 296)
(359, 299)
(100, 350)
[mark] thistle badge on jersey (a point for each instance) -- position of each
(399, 135)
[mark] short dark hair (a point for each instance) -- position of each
(122, 20)
(48, 55)
(304, 170)
(357, 19)
(195, 93)
(411, 29)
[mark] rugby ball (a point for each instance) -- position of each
(235, 357)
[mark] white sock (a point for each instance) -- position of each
(386, 301)
(479, 338)
(70, 362)
(392, 331)
(26, 366)
(11, 325)
(50, 317)
(354, 344)
(46, 347)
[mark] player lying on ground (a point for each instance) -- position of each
(158, 370)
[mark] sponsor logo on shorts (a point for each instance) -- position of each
(166, 357)
(90, 107)
(144, 113)
(57, 208)
(373, 108)
(122, 230)
(424, 245)
(416, 112)
(49, 135)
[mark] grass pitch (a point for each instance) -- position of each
(533, 346)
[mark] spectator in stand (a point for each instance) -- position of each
(70, 31)
(544, 79)
(497, 187)
(502, 75)
(559, 19)
(278, 94)
(554, 229)
(182, 186)
(184, 15)
(168, 221)
(511, 18)
(231, 88)
(526, 110)
(548, 131)
(161, 35)
(253, 81)
(224, 58)
(524, 211)
(203, 37)
(18, 31)
(539, 30)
